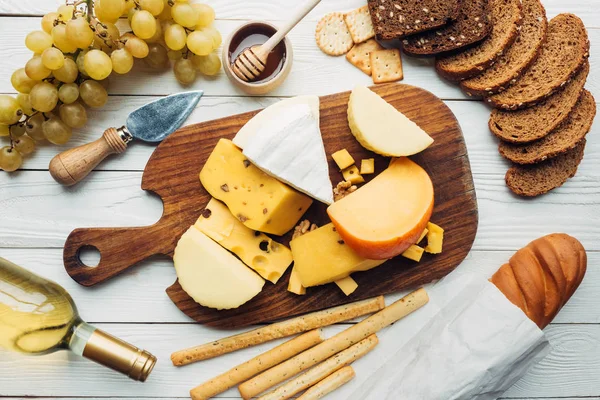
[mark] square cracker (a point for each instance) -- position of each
(359, 56)
(386, 66)
(359, 24)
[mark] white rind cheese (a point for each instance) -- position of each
(289, 147)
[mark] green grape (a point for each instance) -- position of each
(10, 159)
(206, 14)
(4, 130)
(36, 70)
(68, 73)
(74, 115)
(93, 93)
(65, 12)
(158, 36)
(38, 41)
(175, 55)
(175, 37)
(157, 56)
(106, 37)
(25, 145)
(97, 64)
(214, 34)
(208, 65)
(184, 70)
(129, 4)
(143, 24)
(56, 131)
(80, 61)
(44, 97)
(68, 93)
(136, 46)
(166, 12)
(25, 103)
(122, 61)
(109, 10)
(17, 130)
(34, 127)
(53, 58)
(10, 111)
(154, 7)
(200, 43)
(21, 82)
(80, 33)
(48, 21)
(185, 15)
(59, 35)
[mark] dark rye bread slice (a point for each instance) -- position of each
(561, 56)
(560, 140)
(395, 19)
(536, 179)
(533, 123)
(472, 26)
(506, 17)
(517, 57)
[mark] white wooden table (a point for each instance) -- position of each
(36, 215)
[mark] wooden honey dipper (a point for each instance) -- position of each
(251, 62)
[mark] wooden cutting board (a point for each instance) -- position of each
(172, 173)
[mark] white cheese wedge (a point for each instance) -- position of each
(379, 127)
(211, 275)
(289, 147)
(252, 126)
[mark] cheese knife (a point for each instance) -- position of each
(151, 123)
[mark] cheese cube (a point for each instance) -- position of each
(258, 200)
(347, 284)
(435, 238)
(342, 158)
(367, 166)
(425, 231)
(321, 257)
(413, 253)
(258, 251)
(352, 175)
(294, 284)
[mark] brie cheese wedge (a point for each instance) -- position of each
(252, 126)
(289, 147)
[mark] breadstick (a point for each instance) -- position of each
(278, 330)
(334, 345)
(256, 365)
(329, 384)
(323, 370)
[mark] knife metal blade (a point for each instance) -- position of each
(155, 121)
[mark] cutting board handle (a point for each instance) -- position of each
(120, 249)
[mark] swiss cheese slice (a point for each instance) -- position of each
(289, 147)
(379, 127)
(211, 275)
(255, 124)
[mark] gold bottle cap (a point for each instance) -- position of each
(119, 355)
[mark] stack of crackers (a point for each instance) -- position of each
(352, 34)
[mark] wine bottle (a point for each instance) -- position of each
(37, 316)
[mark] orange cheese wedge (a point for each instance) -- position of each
(387, 215)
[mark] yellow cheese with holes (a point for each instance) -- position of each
(347, 285)
(342, 158)
(414, 253)
(367, 166)
(321, 257)
(258, 251)
(352, 175)
(294, 284)
(258, 200)
(435, 238)
(211, 275)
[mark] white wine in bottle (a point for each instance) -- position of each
(38, 316)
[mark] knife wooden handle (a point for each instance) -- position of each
(71, 166)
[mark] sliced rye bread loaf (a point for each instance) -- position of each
(517, 57)
(506, 17)
(562, 55)
(472, 26)
(536, 179)
(395, 19)
(560, 140)
(533, 123)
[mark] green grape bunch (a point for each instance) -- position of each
(79, 47)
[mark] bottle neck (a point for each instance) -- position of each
(107, 350)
